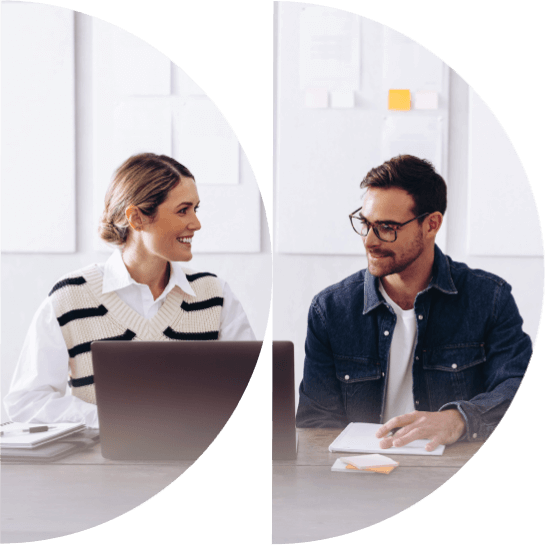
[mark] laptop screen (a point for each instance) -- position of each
(284, 434)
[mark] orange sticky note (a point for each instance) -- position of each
(399, 99)
(383, 469)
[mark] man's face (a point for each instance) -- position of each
(394, 206)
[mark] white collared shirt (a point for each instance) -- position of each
(38, 391)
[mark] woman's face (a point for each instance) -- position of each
(170, 234)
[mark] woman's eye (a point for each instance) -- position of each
(182, 211)
(197, 208)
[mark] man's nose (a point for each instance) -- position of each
(371, 240)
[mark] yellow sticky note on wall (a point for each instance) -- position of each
(399, 99)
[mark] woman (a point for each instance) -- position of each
(140, 293)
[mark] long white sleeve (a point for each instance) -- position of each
(234, 324)
(38, 391)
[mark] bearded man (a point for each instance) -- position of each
(416, 341)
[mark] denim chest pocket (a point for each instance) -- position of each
(453, 373)
(350, 369)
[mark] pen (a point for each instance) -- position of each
(393, 431)
(34, 429)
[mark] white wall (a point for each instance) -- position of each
(298, 277)
(27, 277)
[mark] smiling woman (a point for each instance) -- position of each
(140, 293)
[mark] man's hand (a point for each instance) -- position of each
(441, 428)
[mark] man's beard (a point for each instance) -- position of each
(395, 262)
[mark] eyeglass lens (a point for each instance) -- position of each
(384, 232)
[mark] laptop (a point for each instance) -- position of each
(167, 400)
(284, 433)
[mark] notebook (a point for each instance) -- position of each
(13, 435)
(360, 437)
(167, 400)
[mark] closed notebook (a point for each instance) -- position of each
(13, 435)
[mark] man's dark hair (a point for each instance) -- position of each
(416, 176)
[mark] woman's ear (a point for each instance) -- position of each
(135, 218)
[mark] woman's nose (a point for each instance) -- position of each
(195, 223)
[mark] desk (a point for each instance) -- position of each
(311, 502)
(44, 501)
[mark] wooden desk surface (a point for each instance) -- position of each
(44, 501)
(314, 443)
(311, 502)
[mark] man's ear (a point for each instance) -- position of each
(136, 219)
(434, 222)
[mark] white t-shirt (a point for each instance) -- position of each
(399, 386)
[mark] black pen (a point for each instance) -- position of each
(35, 429)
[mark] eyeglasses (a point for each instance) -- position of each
(385, 231)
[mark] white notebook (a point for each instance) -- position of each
(13, 435)
(360, 437)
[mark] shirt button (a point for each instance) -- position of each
(386, 333)
(417, 358)
(454, 366)
(346, 377)
(420, 317)
(417, 402)
(382, 374)
(474, 436)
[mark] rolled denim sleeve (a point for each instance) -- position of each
(320, 397)
(508, 352)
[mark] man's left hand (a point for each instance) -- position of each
(441, 428)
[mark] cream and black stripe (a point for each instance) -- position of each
(85, 315)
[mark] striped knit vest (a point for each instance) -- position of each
(85, 315)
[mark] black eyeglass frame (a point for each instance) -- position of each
(395, 226)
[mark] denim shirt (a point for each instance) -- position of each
(470, 351)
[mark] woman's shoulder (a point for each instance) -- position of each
(193, 275)
(86, 275)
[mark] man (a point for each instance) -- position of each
(417, 341)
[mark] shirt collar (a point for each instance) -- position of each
(441, 280)
(116, 276)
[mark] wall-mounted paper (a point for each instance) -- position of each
(426, 100)
(399, 99)
(498, 189)
(204, 142)
(329, 49)
(230, 219)
(316, 98)
(138, 68)
(342, 99)
(408, 65)
(418, 136)
(38, 129)
(141, 125)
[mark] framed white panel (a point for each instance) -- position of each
(502, 215)
(230, 215)
(38, 129)
(204, 142)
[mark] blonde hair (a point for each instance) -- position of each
(144, 181)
